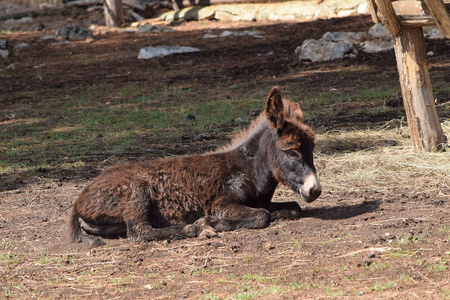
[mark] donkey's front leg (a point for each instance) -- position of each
(285, 210)
(227, 217)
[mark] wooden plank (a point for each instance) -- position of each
(388, 16)
(407, 8)
(416, 22)
(440, 16)
(412, 63)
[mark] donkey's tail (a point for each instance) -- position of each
(77, 234)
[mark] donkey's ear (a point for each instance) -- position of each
(274, 108)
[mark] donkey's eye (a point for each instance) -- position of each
(293, 154)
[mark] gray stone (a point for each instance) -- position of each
(350, 37)
(74, 33)
(315, 50)
(150, 52)
(4, 53)
(375, 46)
(10, 9)
(3, 44)
(379, 31)
(20, 46)
(242, 120)
(336, 45)
(149, 28)
(48, 37)
(19, 21)
(432, 32)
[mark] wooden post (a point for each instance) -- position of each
(412, 63)
(388, 16)
(113, 13)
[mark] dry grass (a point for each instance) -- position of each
(376, 165)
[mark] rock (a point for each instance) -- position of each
(149, 28)
(4, 53)
(20, 46)
(255, 112)
(375, 46)
(227, 33)
(242, 120)
(11, 67)
(349, 37)
(150, 52)
(432, 32)
(3, 44)
(74, 33)
(336, 45)
(19, 21)
(379, 31)
(48, 37)
(210, 36)
(9, 9)
(316, 50)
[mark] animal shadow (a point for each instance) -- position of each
(342, 212)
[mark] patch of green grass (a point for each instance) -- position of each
(296, 286)
(41, 260)
(438, 267)
(106, 121)
(295, 245)
(383, 286)
(379, 266)
(9, 260)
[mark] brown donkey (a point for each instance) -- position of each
(196, 195)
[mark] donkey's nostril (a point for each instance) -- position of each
(315, 192)
(311, 194)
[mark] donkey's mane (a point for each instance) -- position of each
(291, 112)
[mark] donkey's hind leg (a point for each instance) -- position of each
(285, 210)
(143, 231)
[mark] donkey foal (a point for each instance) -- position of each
(197, 195)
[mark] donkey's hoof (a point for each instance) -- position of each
(207, 233)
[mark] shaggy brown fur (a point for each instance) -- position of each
(196, 195)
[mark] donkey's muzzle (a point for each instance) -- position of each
(311, 189)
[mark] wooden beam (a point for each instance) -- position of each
(440, 16)
(414, 13)
(388, 16)
(412, 63)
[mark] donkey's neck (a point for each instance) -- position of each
(254, 149)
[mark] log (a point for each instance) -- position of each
(113, 13)
(31, 13)
(440, 16)
(412, 63)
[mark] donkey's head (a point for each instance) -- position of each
(292, 162)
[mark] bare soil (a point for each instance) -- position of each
(362, 242)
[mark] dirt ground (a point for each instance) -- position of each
(362, 242)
